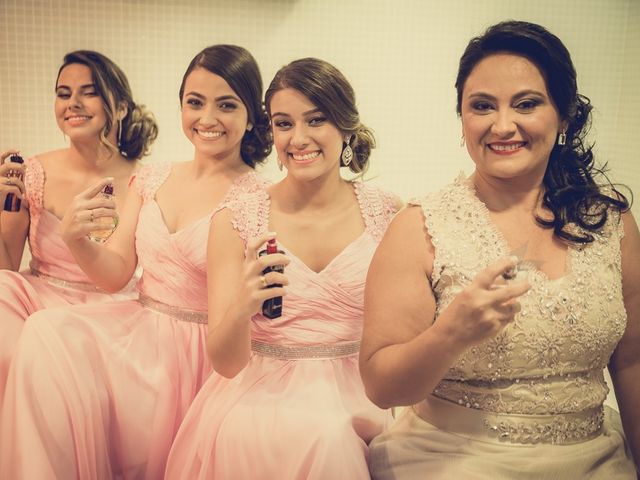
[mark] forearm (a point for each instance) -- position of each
(627, 387)
(404, 374)
(229, 344)
(6, 262)
(106, 268)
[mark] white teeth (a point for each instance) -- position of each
(307, 156)
(505, 148)
(78, 117)
(209, 134)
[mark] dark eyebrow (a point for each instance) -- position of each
(217, 99)
(518, 95)
(88, 85)
(304, 114)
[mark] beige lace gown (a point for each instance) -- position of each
(527, 404)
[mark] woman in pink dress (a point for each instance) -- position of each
(108, 133)
(286, 400)
(98, 391)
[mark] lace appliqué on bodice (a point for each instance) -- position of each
(34, 186)
(251, 210)
(377, 206)
(550, 360)
(149, 179)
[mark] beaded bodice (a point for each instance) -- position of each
(551, 359)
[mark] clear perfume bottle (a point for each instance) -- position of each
(110, 223)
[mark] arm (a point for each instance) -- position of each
(110, 265)
(14, 226)
(625, 362)
(404, 354)
(236, 293)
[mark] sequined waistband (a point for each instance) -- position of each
(557, 429)
(59, 282)
(302, 352)
(178, 313)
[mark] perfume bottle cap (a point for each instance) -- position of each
(272, 246)
(108, 189)
(15, 158)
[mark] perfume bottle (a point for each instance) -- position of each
(11, 202)
(110, 223)
(519, 272)
(272, 307)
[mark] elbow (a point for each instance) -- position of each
(379, 397)
(227, 370)
(375, 390)
(226, 365)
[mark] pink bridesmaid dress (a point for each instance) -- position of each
(98, 391)
(53, 279)
(298, 409)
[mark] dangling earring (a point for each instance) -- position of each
(562, 138)
(249, 126)
(347, 153)
(462, 140)
(119, 132)
(279, 162)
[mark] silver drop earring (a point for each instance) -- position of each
(562, 138)
(347, 153)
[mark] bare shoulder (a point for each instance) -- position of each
(52, 159)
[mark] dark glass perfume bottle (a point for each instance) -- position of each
(272, 307)
(110, 223)
(11, 202)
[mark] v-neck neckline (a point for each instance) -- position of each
(503, 246)
(288, 251)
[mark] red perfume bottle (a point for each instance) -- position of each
(11, 202)
(272, 307)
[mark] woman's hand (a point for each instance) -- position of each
(86, 207)
(11, 174)
(486, 306)
(253, 289)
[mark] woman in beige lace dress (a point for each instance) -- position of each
(493, 306)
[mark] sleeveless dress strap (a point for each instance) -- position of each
(34, 179)
(377, 206)
(149, 179)
(250, 210)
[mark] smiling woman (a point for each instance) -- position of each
(494, 352)
(108, 132)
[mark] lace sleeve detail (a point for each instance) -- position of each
(149, 178)
(378, 207)
(249, 202)
(34, 184)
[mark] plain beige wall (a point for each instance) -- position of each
(401, 57)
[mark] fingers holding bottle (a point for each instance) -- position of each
(91, 214)
(12, 189)
(486, 306)
(264, 279)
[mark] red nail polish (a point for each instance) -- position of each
(272, 307)
(11, 202)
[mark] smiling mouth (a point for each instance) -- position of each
(306, 157)
(77, 118)
(208, 133)
(506, 147)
